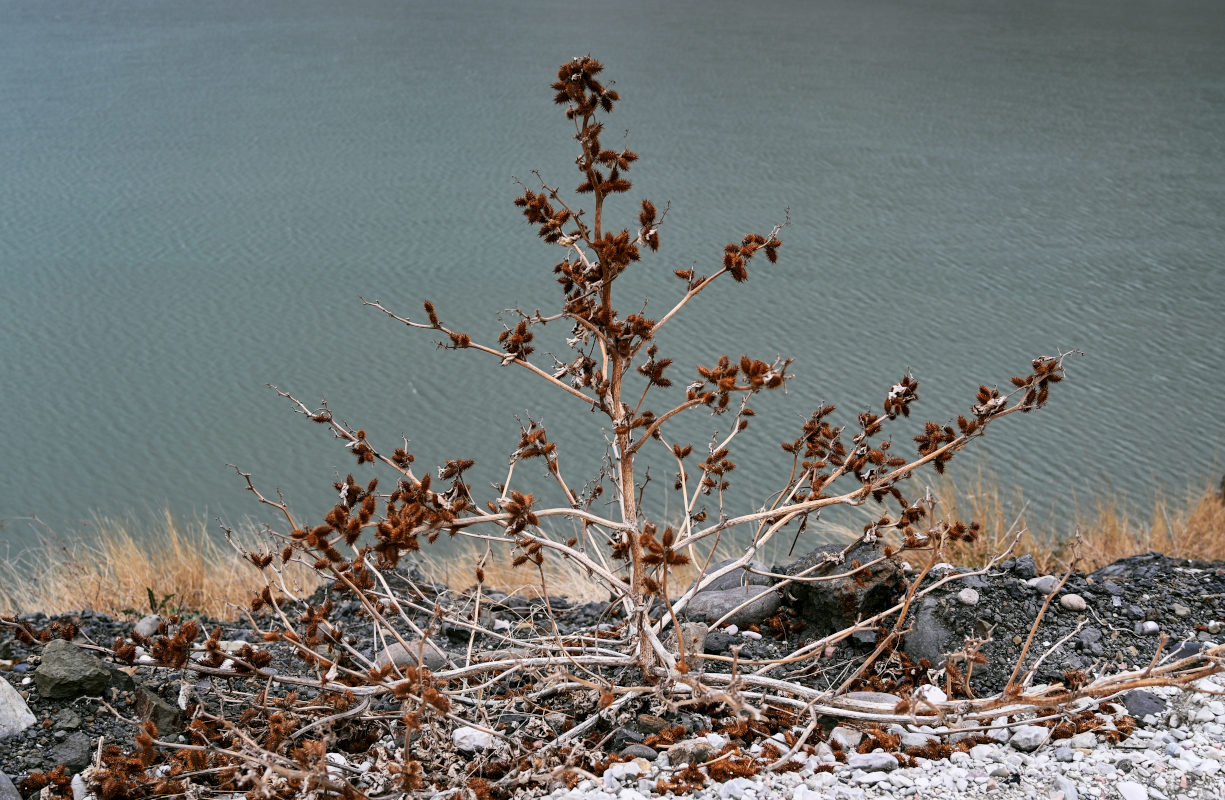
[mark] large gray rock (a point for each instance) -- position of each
(7, 790)
(15, 715)
(431, 656)
(831, 605)
(68, 671)
(737, 577)
(709, 607)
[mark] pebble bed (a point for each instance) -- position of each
(1179, 755)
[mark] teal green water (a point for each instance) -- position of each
(195, 195)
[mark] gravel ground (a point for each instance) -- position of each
(1112, 619)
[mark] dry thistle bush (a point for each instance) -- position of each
(434, 717)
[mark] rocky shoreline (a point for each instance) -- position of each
(1156, 742)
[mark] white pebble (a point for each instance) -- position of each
(470, 739)
(1072, 602)
(968, 597)
(1130, 790)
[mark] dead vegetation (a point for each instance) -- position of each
(274, 732)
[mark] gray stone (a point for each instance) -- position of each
(929, 637)
(878, 699)
(831, 605)
(623, 737)
(737, 577)
(639, 751)
(431, 656)
(75, 752)
(15, 715)
(719, 642)
(1130, 790)
(693, 634)
(1147, 628)
(1046, 584)
(1028, 738)
(912, 740)
(1025, 567)
(7, 790)
(67, 720)
(846, 738)
(689, 751)
(710, 607)
(871, 762)
(968, 597)
(1067, 787)
(165, 717)
(67, 671)
(1140, 702)
(649, 723)
(148, 625)
(1181, 611)
(1072, 602)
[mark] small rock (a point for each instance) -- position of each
(968, 597)
(1072, 602)
(1084, 740)
(165, 717)
(640, 751)
(1046, 584)
(871, 778)
(625, 769)
(1214, 626)
(470, 739)
(649, 723)
(931, 693)
(623, 737)
(1140, 703)
(689, 751)
(1067, 788)
(872, 762)
(1181, 611)
(911, 740)
(736, 788)
(148, 625)
(1130, 790)
(1024, 567)
(846, 738)
(1028, 738)
(431, 656)
(1147, 628)
(693, 635)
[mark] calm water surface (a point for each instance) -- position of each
(195, 195)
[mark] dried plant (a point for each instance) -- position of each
(616, 376)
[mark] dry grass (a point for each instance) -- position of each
(1192, 526)
(184, 566)
(189, 566)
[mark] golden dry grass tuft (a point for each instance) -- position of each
(182, 565)
(1192, 526)
(191, 567)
